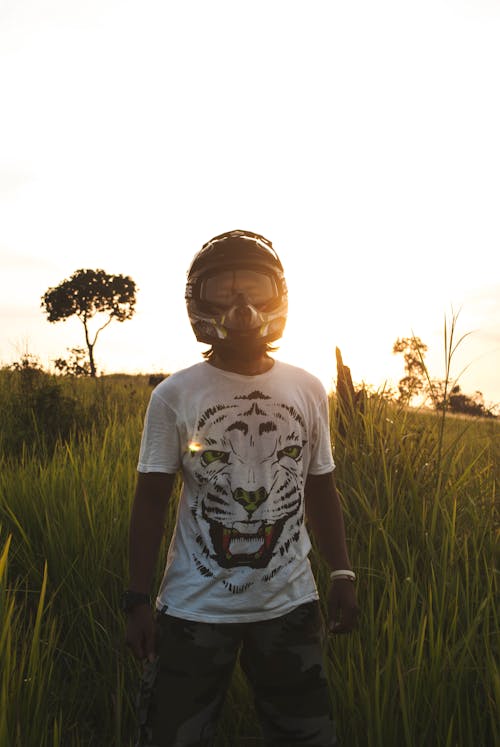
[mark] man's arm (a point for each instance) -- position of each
(147, 525)
(324, 517)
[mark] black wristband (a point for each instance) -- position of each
(133, 599)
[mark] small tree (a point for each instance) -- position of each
(88, 293)
(75, 365)
(413, 350)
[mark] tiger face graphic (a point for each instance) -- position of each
(248, 466)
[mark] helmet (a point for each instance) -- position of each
(236, 290)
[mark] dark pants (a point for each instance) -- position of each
(183, 691)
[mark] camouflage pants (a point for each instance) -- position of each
(182, 693)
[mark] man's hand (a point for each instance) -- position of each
(140, 632)
(343, 610)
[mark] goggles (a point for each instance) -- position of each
(227, 288)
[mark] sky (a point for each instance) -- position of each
(361, 138)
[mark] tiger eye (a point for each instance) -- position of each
(212, 455)
(293, 452)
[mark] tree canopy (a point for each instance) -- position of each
(413, 350)
(88, 293)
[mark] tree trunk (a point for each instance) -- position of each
(349, 402)
(93, 372)
(90, 348)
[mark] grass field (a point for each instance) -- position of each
(419, 494)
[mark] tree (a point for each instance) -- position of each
(413, 350)
(465, 404)
(88, 293)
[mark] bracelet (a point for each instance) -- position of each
(347, 575)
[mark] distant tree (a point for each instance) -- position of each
(88, 293)
(413, 350)
(465, 404)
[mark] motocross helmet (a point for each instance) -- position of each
(236, 290)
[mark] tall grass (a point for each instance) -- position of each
(419, 498)
(420, 505)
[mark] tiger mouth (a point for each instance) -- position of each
(245, 543)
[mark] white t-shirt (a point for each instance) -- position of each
(244, 445)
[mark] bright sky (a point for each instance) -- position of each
(361, 137)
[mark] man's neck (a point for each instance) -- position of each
(236, 363)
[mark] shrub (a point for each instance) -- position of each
(35, 411)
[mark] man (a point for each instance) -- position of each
(250, 436)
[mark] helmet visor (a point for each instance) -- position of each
(226, 288)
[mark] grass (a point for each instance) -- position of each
(419, 495)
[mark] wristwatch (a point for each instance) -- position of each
(133, 599)
(346, 575)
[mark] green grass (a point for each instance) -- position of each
(422, 522)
